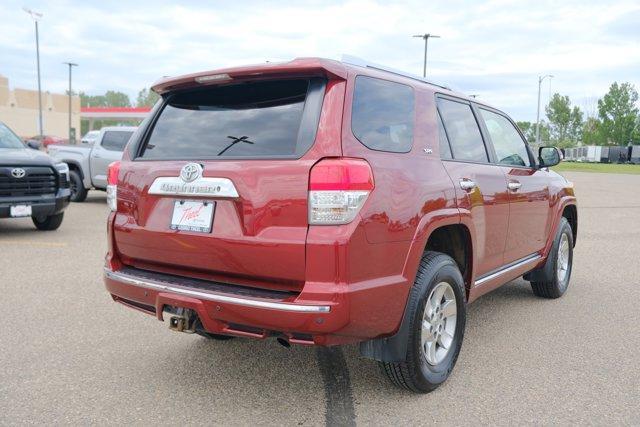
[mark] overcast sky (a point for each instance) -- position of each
(495, 49)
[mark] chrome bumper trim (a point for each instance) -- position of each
(156, 286)
(521, 263)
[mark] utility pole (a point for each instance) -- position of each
(72, 135)
(426, 38)
(540, 79)
(35, 15)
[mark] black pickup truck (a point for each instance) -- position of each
(31, 183)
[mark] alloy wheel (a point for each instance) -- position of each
(562, 263)
(439, 323)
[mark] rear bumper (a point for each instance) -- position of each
(159, 286)
(40, 205)
(301, 322)
(320, 315)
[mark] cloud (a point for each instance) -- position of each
(495, 49)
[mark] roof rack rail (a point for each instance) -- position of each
(354, 60)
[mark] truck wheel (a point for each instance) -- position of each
(48, 223)
(78, 192)
(437, 313)
(556, 271)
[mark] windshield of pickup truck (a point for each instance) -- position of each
(247, 120)
(8, 139)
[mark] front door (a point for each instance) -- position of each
(107, 149)
(529, 218)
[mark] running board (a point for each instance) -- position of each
(507, 268)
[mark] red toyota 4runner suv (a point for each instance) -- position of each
(326, 203)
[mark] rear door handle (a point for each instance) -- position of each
(514, 185)
(467, 184)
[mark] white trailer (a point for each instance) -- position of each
(592, 154)
(634, 154)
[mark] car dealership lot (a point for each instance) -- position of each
(71, 355)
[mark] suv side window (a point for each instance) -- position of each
(509, 146)
(445, 149)
(462, 130)
(115, 140)
(382, 114)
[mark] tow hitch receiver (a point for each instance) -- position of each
(180, 319)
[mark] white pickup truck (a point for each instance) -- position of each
(88, 163)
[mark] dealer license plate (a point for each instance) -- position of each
(20, 210)
(191, 215)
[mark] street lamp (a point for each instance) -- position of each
(72, 138)
(426, 42)
(540, 79)
(35, 15)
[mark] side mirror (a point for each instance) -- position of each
(549, 156)
(32, 143)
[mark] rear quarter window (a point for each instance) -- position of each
(382, 114)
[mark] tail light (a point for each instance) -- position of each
(112, 185)
(338, 189)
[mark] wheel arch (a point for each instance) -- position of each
(429, 234)
(454, 240)
(570, 212)
(565, 206)
(75, 166)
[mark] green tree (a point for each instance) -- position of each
(526, 128)
(565, 121)
(146, 98)
(529, 131)
(592, 132)
(618, 113)
(109, 99)
(117, 99)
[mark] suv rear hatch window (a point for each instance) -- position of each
(249, 120)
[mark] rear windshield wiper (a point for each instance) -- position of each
(234, 141)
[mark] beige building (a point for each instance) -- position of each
(19, 111)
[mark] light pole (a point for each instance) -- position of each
(426, 38)
(72, 138)
(35, 15)
(540, 79)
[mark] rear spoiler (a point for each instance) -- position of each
(297, 68)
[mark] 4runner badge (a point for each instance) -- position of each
(190, 172)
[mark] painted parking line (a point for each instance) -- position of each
(34, 243)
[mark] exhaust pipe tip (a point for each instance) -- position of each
(283, 342)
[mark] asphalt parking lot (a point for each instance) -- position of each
(71, 355)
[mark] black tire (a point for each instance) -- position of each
(78, 192)
(216, 337)
(546, 282)
(48, 223)
(415, 373)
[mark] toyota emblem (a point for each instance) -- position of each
(18, 173)
(190, 172)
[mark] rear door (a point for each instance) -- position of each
(530, 212)
(108, 149)
(481, 188)
(247, 150)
